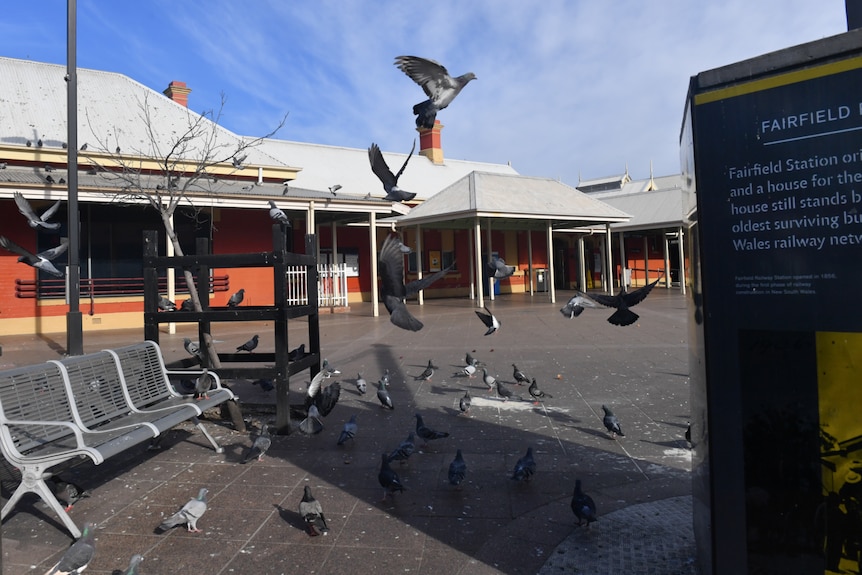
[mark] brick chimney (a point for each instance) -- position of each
(178, 92)
(429, 142)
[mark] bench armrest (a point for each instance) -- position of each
(9, 443)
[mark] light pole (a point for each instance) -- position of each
(74, 321)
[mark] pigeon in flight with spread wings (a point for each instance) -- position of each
(394, 291)
(489, 319)
(438, 85)
(390, 180)
(576, 305)
(33, 220)
(42, 260)
(623, 301)
(497, 268)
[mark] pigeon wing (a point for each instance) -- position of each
(637, 296)
(418, 285)
(46, 215)
(430, 75)
(404, 165)
(55, 251)
(25, 208)
(11, 246)
(381, 168)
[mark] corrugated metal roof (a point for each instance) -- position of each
(654, 209)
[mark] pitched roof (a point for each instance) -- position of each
(654, 203)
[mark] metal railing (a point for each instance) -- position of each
(106, 287)
(331, 285)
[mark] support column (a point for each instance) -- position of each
(421, 294)
(666, 260)
(681, 262)
(552, 293)
(582, 271)
(530, 258)
(623, 261)
(472, 267)
(372, 227)
(480, 288)
(646, 261)
(333, 277)
(491, 281)
(609, 261)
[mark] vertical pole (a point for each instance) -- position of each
(530, 258)
(623, 261)
(609, 261)
(331, 275)
(666, 260)
(421, 295)
(372, 240)
(681, 272)
(480, 288)
(646, 261)
(552, 294)
(74, 320)
(472, 267)
(582, 272)
(171, 276)
(491, 281)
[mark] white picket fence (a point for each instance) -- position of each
(331, 285)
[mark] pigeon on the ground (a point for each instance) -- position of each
(489, 380)
(236, 298)
(426, 432)
(203, 384)
(506, 393)
(348, 431)
(42, 260)
(575, 306)
(583, 506)
(390, 181)
(469, 371)
(312, 514)
(265, 384)
(187, 305)
(193, 348)
(361, 384)
(259, 446)
(250, 345)
(311, 425)
(393, 289)
(67, 492)
(612, 424)
(427, 374)
(457, 470)
(134, 562)
(490, 321)
(383, 395)
(470, 360)
(166, 305)
(296, 353)
(498, 269)
(465, 402)
(385, 377)
(404, 450)
(389, 480)
(188, 514)
(277, 214)
(537, 393)
(33, 220)
(326, 366)
(438, 85)
(623, 301)
(78, 556)
(525, 467)
(520, 377)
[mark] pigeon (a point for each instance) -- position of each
(385, 377)
(438, 85)
(78, 556)
(491, 322)
(612, 423)
(537, 393)
(623, 301)
(265, 384)
(166, 305)
(250, 345)
(188, 514)
(465, 402)
(67, 492)
(427, 433)
(312, 514)
(42, 260)
(489, 380)
(525, 467)
(520, 377)
(311, 425)
(236, 298)
(84, 147)
(394, 291)
(203, 384)
(506, 393)
(470, 360)
(132, 569)
(361, 384)
(39, 143)
(315, 386)
(469, 371)
(327, 367)
(427, 374)
(49, 168)
(296, 353)
(49, 178)
(389, 480)
(457, 470)
(383, 395)
(277, 214)
(259, 446)
(390, 181)
(498, 269)
(404, 450)
(187, 305)
(348, 431)
(575, 306)
(327, 398)
(193, 348)
(334, 188)
(583, 506)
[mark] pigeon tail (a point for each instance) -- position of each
(623, 317)
(426, 114)
(401, 317)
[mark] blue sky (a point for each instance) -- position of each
(565, 89)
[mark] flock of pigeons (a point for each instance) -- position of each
(43, 260)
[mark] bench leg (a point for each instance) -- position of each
(218, 448)
(33, 481)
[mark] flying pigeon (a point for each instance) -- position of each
(334, 188)
(623, 301)
(537, 393)
(259, 446)
(612, 423)
(78, 556)
(390, 181)
(349, 430)
(188, 514)
(68, 492)
(203, 384)
(520, 377)
(404, 450)
(311, 425)
(277, 214)
(134, 562)
(33, 220)
(498, 269)
(583, 506)
(236, 298)
(525, 467)
(489, 380)
(312, 514)
(465, 402)
(490, 321)
(389, 480)
(296, 353)
(166, 305)
(393, 289)
(40, 261)
(250, 345)
(427, 374)
(361, 384)
(314, 387)
(457, 470)
(427, 433)
(506, 393)
(327, 398)
(383, 395)
(575, 306)
(187, 305)
(193, 348)
(438, 85)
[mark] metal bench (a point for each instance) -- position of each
(96, 406)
